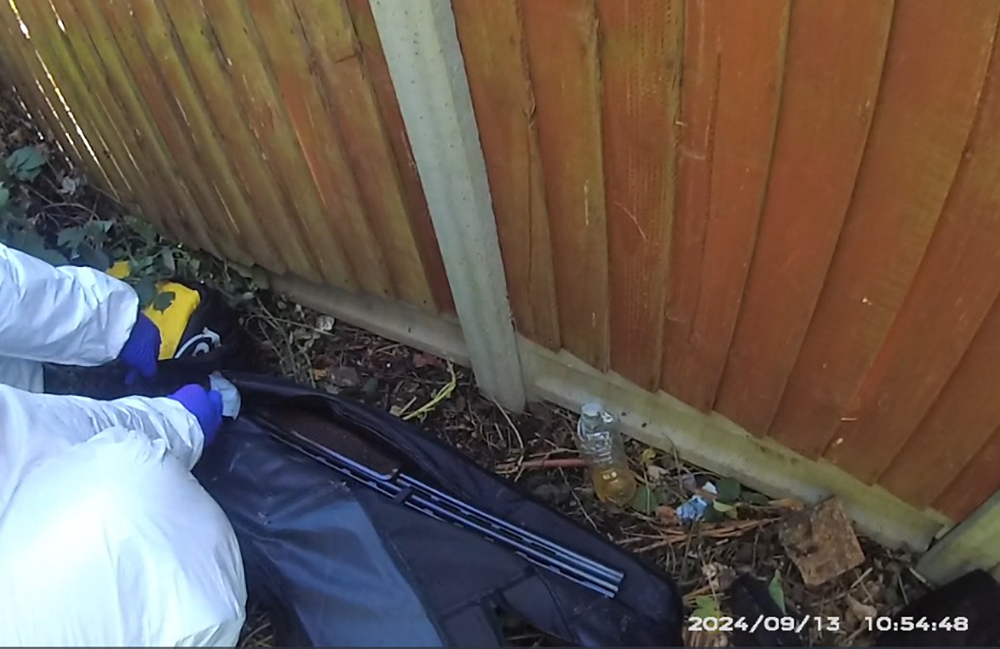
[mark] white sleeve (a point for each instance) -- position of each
(36, 426)
(66, 315)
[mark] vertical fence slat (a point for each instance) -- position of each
(96, 50)
(179, 211)
(67, 81)
(833, 66)
(640, 72)
(495, 59)
(30, 59)
(751, 52)
(188, 138)
(14, 75)
(934, 72)
(365, 161)
(975, 484)
(213, 93)
(699, 101)
(957, 282)
(960, 421)
(562, 55)
(367, 147)
(313, 129)
(15, 50)
(378, 75)
(253, 85)
(52, 56)
(90, 108)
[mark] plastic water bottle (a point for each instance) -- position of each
(602, 448)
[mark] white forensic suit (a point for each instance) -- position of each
(105, 536)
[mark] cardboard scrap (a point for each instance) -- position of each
(820, 540)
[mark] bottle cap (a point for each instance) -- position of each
(591, 410)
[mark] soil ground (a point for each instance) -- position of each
(701, 558)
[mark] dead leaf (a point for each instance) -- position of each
(68, 186)
(319, 373)
(344, 377)
(689, 482)
(720, 576)
(656, 473)
(325, 323)
(426, 360)
(860, 611)
(648, 455)
(788, 503)
(668, 515)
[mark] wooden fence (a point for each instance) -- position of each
(788, 212)
(239, 128)
(783, 211)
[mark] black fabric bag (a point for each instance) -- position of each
(212, 340)
(339, 564)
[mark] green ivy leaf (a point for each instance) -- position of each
(97, 232)
(728, 490)
(706, 606)
(71, 238)
(645, 501)
(145, 288)
(260, 278)
(190, 266)
(163, 300)
(94, 257)
(241, 269)
(145, 231)
(167, 257)
(28, 242)
(54, 257)
(26, 163)
(724, 508)
(776, 592)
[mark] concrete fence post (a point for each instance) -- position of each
(421, 46)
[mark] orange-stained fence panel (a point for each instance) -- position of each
(782, 211)
(255, 130)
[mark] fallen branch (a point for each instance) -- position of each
(532, 465)
(679, 535)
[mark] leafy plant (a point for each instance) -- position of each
(163, 300)
(706, 606)
(728, 490)
(777, 592)
(645, 501)
(26, 163)
(131, 246)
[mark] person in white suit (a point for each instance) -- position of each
(105, 536)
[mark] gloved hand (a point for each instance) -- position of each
(141, 350)
(205, 405)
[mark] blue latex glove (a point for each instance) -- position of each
(205, 405)
(141, 350)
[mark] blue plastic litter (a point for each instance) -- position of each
(696, 506)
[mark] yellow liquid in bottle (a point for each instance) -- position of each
(614, 484)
